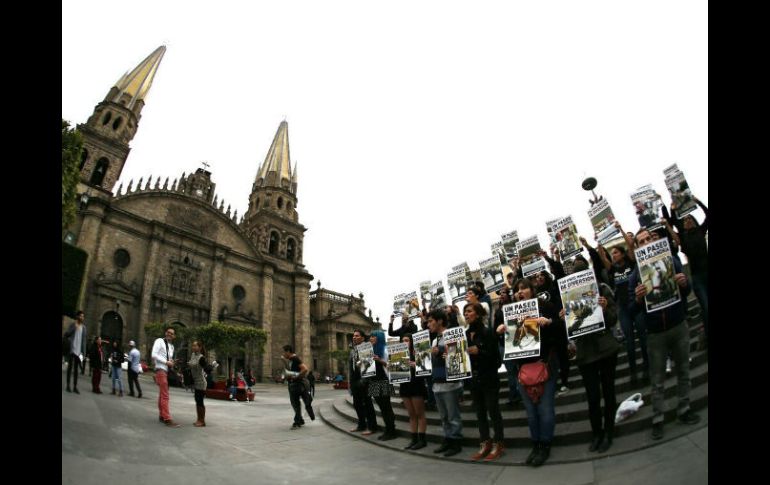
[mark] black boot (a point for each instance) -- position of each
(596, 442)
(607, 442)
(542, 456)
(421, 442)
(444, 446)
(533, 453)
(412, 443)
(454, 448)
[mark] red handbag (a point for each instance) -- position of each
(532, 378)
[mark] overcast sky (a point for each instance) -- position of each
(423, 130)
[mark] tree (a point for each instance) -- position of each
(71, 150)
(224, 339)
(341, 356)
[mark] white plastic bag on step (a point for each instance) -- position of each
(628, 407)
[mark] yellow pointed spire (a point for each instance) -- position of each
(278, 159)
(137, 82)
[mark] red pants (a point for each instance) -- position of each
(161, 377)
(96, 379)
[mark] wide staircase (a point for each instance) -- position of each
(573, 431)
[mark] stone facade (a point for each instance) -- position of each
(333, 318)
(170, 252)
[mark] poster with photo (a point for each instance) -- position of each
(425, 293)
(656, 269)
(603, 222)
(509, 245)
(365, 361)
(499, 250)
(529, 259)
(648, 207)
(437, 295)
(458, 361)
(422, 363)
(580, 297)
(398, 363)
(399, 303)
(522, 336)
(458, 284)
(412, 307)
(681, 197)
(567, 239)
(491, 273)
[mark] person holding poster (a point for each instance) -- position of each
(413, 394)
(541, 417)
(667, 332)
(367, 421)
(379, 386)
(447, 393)
(485, 390)
(597, 356)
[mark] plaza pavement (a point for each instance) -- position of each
(106, 439)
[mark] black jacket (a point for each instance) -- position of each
(484, 365)
(660, 320)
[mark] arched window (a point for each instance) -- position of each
(290, 245)
(280, 202)
(101, 169)
(83, 158)
(117, 122)
(107, 118)
(273, 248)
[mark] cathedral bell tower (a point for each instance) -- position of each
(113, 125)
(271, 220)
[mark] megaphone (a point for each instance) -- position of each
(289, 373)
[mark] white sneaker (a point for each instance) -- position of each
(562, 390)
(668, 365)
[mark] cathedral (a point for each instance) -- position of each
(169, 251)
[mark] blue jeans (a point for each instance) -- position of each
(448, 404)
(117, 376)
(676, 341)
(628, 324)
(541, 417)
(700, 286)
(513, 388)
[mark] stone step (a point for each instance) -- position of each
(566, 433)
(515, 456)
(566, 411)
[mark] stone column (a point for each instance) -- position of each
(302, 315)
(88, 240)
(217, 272)
(267, 323)
(150, 274)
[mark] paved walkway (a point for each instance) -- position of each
(106, 439)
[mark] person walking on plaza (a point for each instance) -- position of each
(77, 336)
(298, 387)
(96, 356)
(117, 359)
(359, 389)
(134, 369)
(163, 356)
(667, 332)
(198, 367)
